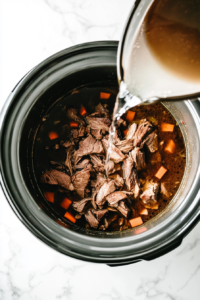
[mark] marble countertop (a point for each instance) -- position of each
(30, 31)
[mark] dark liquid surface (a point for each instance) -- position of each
(45, 150)
(172, 30)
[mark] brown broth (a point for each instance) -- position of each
(172, 30)
(89, 96)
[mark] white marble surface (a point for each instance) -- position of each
(30, 31)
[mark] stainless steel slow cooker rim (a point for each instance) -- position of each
(55, 225)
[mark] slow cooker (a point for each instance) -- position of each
(20, 118)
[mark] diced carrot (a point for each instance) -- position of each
(73, 124)
(53, 135)
(136, 222)
(66, 203)
(68, 216)
(167, 127)
(170, 147)
(161, 172)
(104, 95)
(83, 111)
(144, 211)
(125, 132)
(49, 196)
(130, 116)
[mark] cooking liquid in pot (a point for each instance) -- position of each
(156, 188)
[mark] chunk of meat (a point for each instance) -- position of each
(150, 192)
(93, 183)
(97, 133)
(98, 164)
(138, 157)
(120, 122)
(124, 210)
(67, 144)
(55, 177)
(116, 197)
(102, 109)
(115, 154)
(119, 181)
(131, 178)
(125, 145)
(83, 164)
(155, 158)
(100, 180)
(80, 180)
(80, 205)
(88, 146)
(97, 121)
(94, 223)
(107, 188)
(152, 142)
(72, 115)
(144, 128)
(75, 133)
(99, 213)
(164, 190)
(111, 167)
(81, 131)
(131, 132)
(68, 161)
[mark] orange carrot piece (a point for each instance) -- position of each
(49, 196)
(170, 146)
(68, 216)
(125, 132)
(165, 127)
(161, 172)
(73, 124)
(136, 222)
(104, 95)
(53, 135)
(144, 212)
(130, 116)
(66, 203)
(83, 111)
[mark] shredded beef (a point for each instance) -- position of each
(120, 122)
(80, 180)
(102, 109)
(150, 192)
(119, 181)
(83, 164)
(152, 142)
(107, 188)
(72, 115)
(131, 178)
(91, 219)
(98, 164)
(99, 213)
(88, 146)
(80, 205)
(97, 121)
(58, 166)
(67, 144)
(55, 177)
(164, 190)
(125, 145)
(138, 157)
(144, 128)
(124, 210)
(116, 197)
(131, 132)
(97, 133)
(116, 155)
